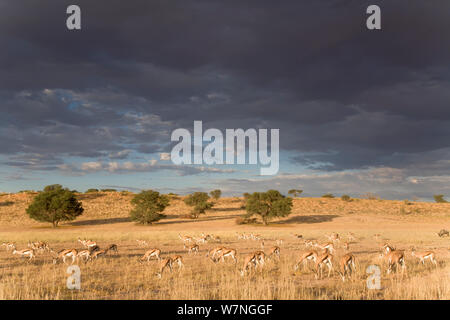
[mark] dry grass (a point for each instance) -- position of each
(123, 276)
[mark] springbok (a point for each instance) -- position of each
(250, 261)
(305, 257)
(87, 243)
(84, 254)
(178, 260)
(334, 237)
(152, 253)
(326, 246)
(99, 253)
(396, 258)
(9, 246)
(25, 253)
(347, 264)
(66, 253)
(226, 252)
(324, 259)
(165, 263)
(214, 252)
(274, 252)
(113, 247)
(39, 246)
(193, 248)
(424, 255)
(185, 239)
(387, 248)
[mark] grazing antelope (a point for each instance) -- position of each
(113, 247)
(298, 236)
(9, 246)
(274, 251)
(93, 249)
(334, 237)
(324, 259)
(425, 255)
(347, 262)
(305, 257)
(226, 252)
(249, 262)
(99, 253)
(203, 239)
(326, 246)
(193, 248)
(84, 254)
(87, 243)
(178, 260)
(260, 258)
(39, 245)
(165, 263)
(213, 252)
(185, 239)
(152, 253)
(396, 258)
(25, 253)
(142, 243)
(66, 253)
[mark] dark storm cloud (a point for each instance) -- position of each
(344, 97)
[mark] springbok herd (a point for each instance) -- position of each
(314, 255)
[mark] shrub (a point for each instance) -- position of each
(268, 205)
(295, 192)
(346, 198)
(91, 190)
(198, 200)
(149, 206)
(109, 190)
(439, 198)
(215, 194)
(327, 195)
(55, 204)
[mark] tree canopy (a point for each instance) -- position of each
(148, 206)
(215, 194)
(198, 200)
(55, 204)
(268, 205)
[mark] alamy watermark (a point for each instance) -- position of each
(192, 150)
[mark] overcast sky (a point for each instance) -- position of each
(358, 111)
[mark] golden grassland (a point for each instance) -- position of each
(401, 223)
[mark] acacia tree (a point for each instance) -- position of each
(215, 194)
(295, 192)
(55, 204)
(149, 206)
(268, 205)
(439, 198)
(198, 200)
